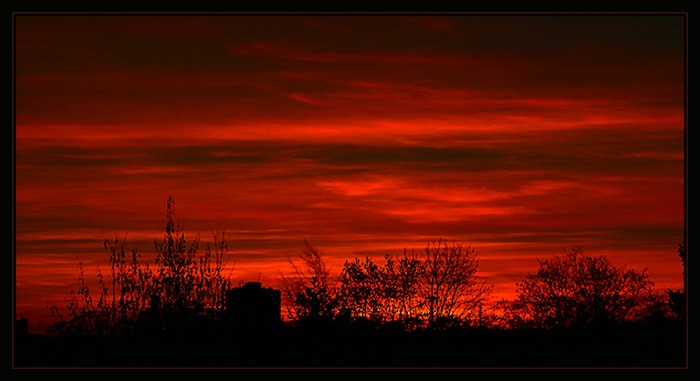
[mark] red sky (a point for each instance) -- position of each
(519, 135)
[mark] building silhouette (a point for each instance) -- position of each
(253, 304)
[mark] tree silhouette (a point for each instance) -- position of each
(382, 294)
(362, 291)
(579, 290)
(683, 255)
(451, 289)
(184, 282)
(403, 284)
(310, 293)
(437, 289)
(677, 298)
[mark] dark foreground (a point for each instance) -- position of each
(657, 346)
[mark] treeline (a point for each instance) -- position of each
(436, 288)
(440, 288)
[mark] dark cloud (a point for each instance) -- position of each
(105, 69)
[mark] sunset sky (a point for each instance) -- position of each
(519, 135)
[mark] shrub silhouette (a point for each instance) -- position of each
(183, 285)
(579, 290)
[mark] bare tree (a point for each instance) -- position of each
(402, 277)
(309, 293)
(437, 289)
(450, 287)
